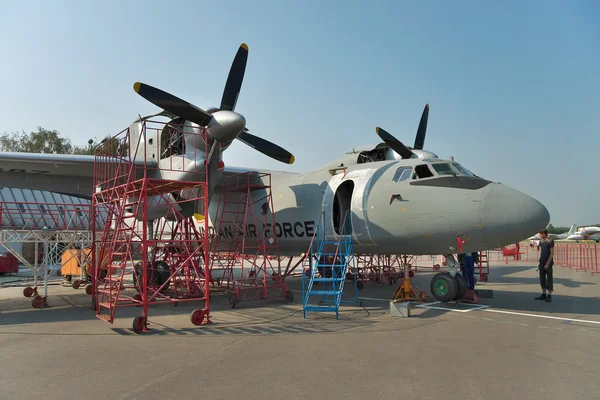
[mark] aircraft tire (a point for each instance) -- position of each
(443, 287)
(163, 273)
(138, 271)
(462, 286)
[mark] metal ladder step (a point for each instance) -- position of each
(323, 292)
(320, 308)
(328, 279)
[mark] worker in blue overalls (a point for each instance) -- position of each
(468, 261)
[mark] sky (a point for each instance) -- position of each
(513, 86)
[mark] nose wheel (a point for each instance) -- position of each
(444, 287)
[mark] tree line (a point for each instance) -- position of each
(50, 142)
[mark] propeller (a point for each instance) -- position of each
(398, 146)
(235, 79)
(224, 125)
(422, 130)
(172, 104)
(394, 143)
(267, 148)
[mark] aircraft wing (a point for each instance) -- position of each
(67, 174)
(61, 173)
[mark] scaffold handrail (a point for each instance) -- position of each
(151, 149)
(316, 232)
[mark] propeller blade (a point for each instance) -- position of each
(422, 130)
(394, 143)
(267, 148)
(212, 170)
(172, 104)
(235, 78)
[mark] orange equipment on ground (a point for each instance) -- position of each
(71, 266)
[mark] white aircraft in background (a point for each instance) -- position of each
(554, 236)
(587, 233)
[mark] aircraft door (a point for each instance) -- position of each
(346, 195)
(362, 184)
(329, 205)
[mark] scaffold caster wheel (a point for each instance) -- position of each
(444, 287)
(38, 301)
(289, 295)
(484, 278)
(359, 285)
(232, 301)
(76, 284)
(197, 317)
(88, 289)
(139, 324)
(28, 291)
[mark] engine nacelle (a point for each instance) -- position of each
(171, 151)
(158, 207)
(392, 155)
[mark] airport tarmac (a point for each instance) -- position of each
(508, 346)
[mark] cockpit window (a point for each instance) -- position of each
(444, 169)
(422, 171)
(402, 174)
(462, 169)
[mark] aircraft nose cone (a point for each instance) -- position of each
(509, 216)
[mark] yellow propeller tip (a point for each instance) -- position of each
(377, 129)
(292, 159)
(136, 87)
(244, 46)
(199, 217)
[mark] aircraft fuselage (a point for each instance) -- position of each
(392, 210)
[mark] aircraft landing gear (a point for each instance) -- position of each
(448, 286)
(462, 286)
(444, 287)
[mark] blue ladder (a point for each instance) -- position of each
(329, 271)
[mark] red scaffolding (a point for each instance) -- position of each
(155, 253)
(245, 257)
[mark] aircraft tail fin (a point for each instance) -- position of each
(572, 230)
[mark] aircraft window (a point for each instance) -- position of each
(422, 171)
(402, 174)
(444, 169)
(462, 169)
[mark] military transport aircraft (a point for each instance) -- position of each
(400, 200)
(559, 236)
(585, 233)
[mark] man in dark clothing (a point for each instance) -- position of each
(468, 261)
(545, 266)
